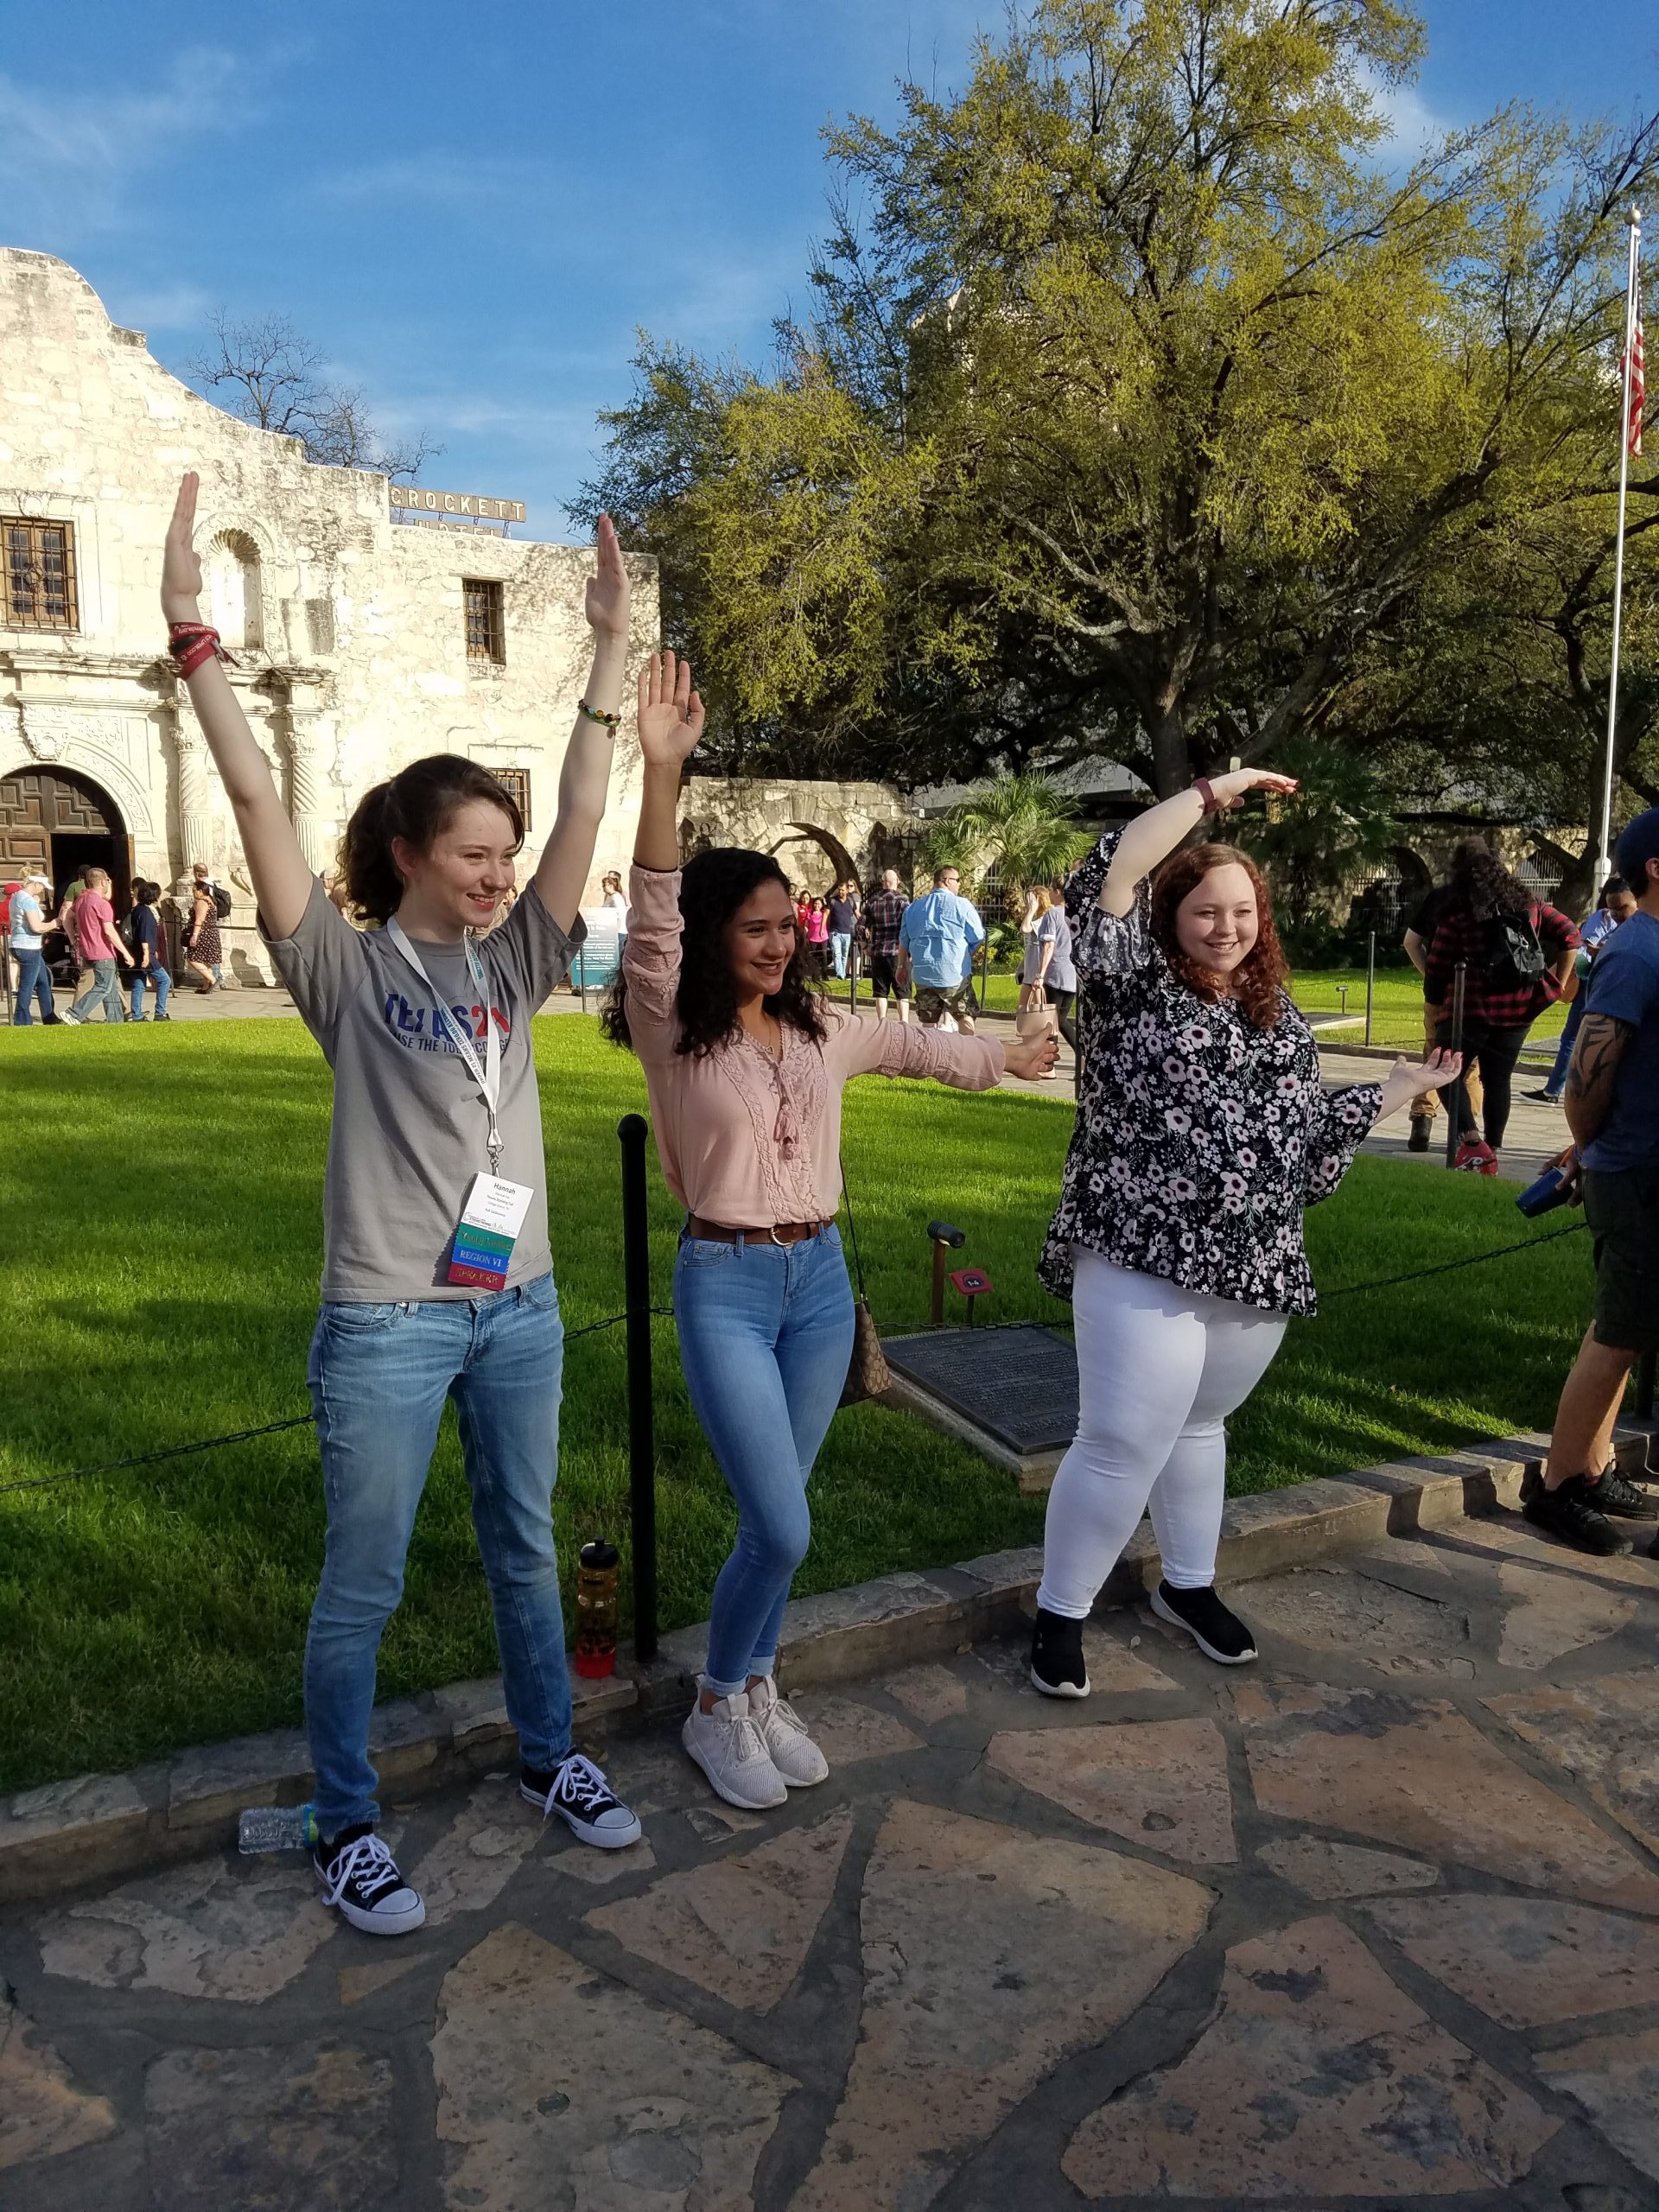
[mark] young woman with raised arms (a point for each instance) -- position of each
(1203, 1133)
(436, 1278)
(746, 1067)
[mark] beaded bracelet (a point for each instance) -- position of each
(598, 714)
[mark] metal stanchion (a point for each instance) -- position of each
(1370, 984)
(852, 976)
(642, 1443)
(1454, 1111)
(582, 977)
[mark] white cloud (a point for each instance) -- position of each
(433, 180)
(1411, 125)
(66, 160)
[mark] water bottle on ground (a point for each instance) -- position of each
(276, 1828)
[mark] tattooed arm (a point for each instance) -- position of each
(1589, 1095)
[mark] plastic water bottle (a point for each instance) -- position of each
(276, 1828)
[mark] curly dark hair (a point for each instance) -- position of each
(416, 805)
(1260, 976)
(1485, 885)
(713, 885)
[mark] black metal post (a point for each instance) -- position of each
(642, 1442)
(1370, 984)
(852, 975)
(1454, 1111)
(582, 977)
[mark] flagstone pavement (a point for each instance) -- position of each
(1375, 1922)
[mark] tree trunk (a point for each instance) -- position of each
(1172, 764)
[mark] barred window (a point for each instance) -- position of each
(485, 627)
(516, 783)
(39, 574)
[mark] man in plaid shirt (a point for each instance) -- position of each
(1501, 999)
(882, 917)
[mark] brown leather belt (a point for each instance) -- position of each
(781, 1232)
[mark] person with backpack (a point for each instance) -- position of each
(143, 931)
(437, 1281)
(1516, 954)
(203, 953)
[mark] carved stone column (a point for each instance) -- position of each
(306, 795)
(195, 805)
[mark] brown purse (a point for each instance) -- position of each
(867, 1372)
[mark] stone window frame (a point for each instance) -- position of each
(484, 607)
(13, 613)
(517, 782)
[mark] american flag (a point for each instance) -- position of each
(1638, 385)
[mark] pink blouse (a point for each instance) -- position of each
(746, 1140)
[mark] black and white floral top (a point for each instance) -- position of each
(1199, 1138)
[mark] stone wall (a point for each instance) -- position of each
(820, 832)
(349, 628)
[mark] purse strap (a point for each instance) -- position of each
(847, 1200)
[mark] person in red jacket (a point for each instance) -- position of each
(1516, 954)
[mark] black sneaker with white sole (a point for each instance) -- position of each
(578, 1792)
(361, 1879)
(1057, 1666)
(1220, 1634)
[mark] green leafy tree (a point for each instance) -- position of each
(1137, 400)
(1020, 827)
(1338, 826)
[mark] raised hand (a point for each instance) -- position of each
(606, 603)
(671, 713)
(181, 565)
(1230, 790)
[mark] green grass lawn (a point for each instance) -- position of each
(161, 1241)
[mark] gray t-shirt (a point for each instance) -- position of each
(1051, 927)
(410, 1129)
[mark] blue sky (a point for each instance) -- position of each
(471, 208)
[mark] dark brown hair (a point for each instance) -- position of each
(713, 885)
(416, 805)
(1259, 977)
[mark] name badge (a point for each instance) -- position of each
(489, 1225)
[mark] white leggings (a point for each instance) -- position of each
(1159, 1370)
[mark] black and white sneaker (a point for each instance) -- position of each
(578, 1792)
(361, 1879)
(1057, 1666)
(1220, 1634)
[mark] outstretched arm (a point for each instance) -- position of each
(584, 782)
(1152, 836)
(282, 880)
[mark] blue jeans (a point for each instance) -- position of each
(163, 984)
(378, 1376)
(765, 1337)
(1557, 1081)
(841, 946)
(33, 983)
(103, 990)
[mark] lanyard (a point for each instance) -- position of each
(487, 1077)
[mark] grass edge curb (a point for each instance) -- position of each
(64, 1836)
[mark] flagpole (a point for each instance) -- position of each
(1605, 860)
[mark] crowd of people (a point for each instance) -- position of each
(105, 952)
(1203, 1133)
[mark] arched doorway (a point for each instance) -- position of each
(58, 821)
(807, 847)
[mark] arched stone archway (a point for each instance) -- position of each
(808, 835)
(820, 832)
(57, 820)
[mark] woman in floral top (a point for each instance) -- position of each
(745, 1066)
(1203, 1133)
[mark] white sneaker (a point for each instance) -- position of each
(732, 1752)
(361, 1879)
(794, 1754)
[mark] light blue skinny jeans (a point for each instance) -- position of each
(765, 1337)
(378, 1376)
(163, 984)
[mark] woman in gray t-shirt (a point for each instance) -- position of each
(436, 1278)
(1048, 975)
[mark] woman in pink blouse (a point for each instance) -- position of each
(745, 1067)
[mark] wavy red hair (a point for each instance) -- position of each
(1257, 980)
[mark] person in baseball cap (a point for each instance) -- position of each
(27, 932)
(1638, 844)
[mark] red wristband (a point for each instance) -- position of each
(192, 643)
(1207, 798)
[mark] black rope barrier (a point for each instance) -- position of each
(242, 1435)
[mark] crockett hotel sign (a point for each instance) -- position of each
(417, 498)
